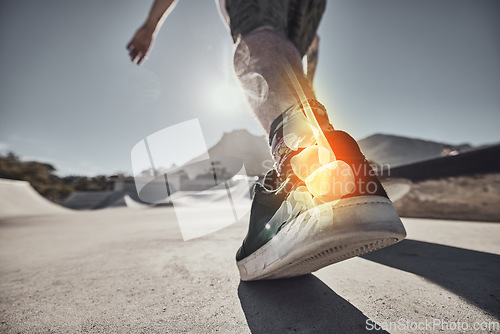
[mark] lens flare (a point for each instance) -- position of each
(326, 178)
(332, 181)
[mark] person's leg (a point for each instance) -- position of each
(262, 59)
(312, 59)
(307, 213)
(271, 38)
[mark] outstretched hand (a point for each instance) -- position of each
(140, 45)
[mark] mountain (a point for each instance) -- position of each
(380, 148)
(397, 150)
(252, 150)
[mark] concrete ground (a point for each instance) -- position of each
(124, 270)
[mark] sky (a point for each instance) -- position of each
(70, 96)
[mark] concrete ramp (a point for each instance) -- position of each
(96, 200)
(239, 190)
(18, 198)
(86, 200)
(134, 204)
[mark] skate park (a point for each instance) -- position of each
(415, 83)
(124, 269)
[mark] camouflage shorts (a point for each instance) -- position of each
(297, 19)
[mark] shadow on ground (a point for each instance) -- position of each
(471, 274)
(298, 305)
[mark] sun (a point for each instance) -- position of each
(226, 97)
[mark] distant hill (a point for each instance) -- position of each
(252, 150)
(380, 148)
(397, 150)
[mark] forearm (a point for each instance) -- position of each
(159, 11)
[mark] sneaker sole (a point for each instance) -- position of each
(360, 225)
